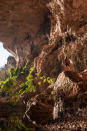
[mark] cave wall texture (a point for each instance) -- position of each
(23, 27)
(42, 28)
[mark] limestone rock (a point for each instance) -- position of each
(64, 84)
(28, 25)
(24, 26)
(63, 87)
(69, 93)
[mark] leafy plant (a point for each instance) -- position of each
(28, 86)
(15, 72)
(8, 85)
(47, 79)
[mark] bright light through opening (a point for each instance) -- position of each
(3, 55)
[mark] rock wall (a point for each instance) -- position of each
(75, 15)
(29, 27)
(69, 88)
(24, 26)
(68, 37)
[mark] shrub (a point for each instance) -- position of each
(15, 72)
(28, 86)
(8, 85)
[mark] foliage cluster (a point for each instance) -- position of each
(28, 86)
(10, 84)
(16, 72)
(49, 80)
(44, 79)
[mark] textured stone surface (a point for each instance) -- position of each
(52, 29)
(63, 107)
(70, 94)
(67, 38)
(76, 15)
(25, 25)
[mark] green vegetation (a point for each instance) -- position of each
(21, 81)
(45, 79)
(16, 72)
(48, 79)
(28, 86)
(15, 123)
(8, 85)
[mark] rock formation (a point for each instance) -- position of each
(4, 72)
(67, 104)
(67, 38)
(45, 32)
(11, 62)
(26, 26)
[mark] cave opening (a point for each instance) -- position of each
(4, 55)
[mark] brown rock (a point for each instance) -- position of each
(25, 26)
(69, 94)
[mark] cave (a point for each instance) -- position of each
(41, 93)
(23, 24)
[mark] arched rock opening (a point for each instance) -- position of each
(24, 27)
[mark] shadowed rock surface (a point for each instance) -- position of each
(25, 26)
(46, 32)
(65, 109)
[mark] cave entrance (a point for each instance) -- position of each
(4, 54)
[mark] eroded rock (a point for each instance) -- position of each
(69, 94)
(26, 26)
